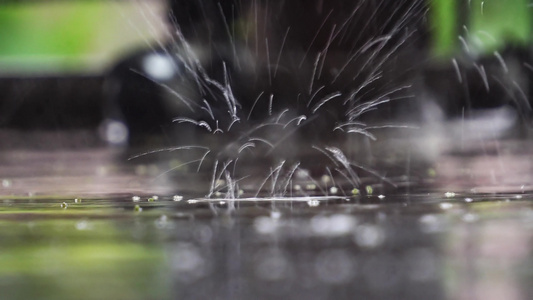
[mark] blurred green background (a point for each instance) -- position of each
(87, 36)
(74, 36)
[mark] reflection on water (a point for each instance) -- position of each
(438, 248)
(77, 224)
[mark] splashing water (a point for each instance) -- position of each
(265, 97)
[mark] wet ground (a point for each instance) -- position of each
(78, 223)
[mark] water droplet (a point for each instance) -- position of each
(6, 183)
(449, 194)
(333, 190)
(313, 203)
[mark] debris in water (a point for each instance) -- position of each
(369, 190)
(449, 194)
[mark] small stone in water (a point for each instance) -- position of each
(177, 198)
(136, 198)
(64, 205)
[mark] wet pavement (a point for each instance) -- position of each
(78, 223)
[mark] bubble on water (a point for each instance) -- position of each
(187, 262)
(177, 198)
(421, 264)
(335, 266)
(265, 225)
(272, 265)
(335, 225)
(445, 205)
(135, 198)
(313, 203)
(369, 236)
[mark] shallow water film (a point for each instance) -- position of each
(108, 234)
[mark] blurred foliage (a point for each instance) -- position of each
(85, 36)
(485, 25)
(77, 36)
